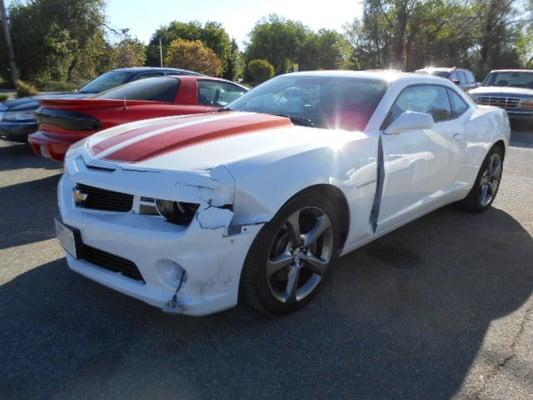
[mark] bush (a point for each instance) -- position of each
(260, 70)
(3, 97)
(193, 55)
(60, 86)
(25, 89)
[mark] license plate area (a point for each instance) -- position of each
(69, 238)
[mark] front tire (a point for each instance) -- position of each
(487, 183)
(292, 255)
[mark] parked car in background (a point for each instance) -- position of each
(255, 203)
(17, 117)
(65, 121)
(463, 78)
(510, 89)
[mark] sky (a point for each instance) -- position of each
(238, 16)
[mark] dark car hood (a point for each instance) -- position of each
(32, 103)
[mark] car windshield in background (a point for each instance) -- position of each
(320, 101)
(106, 81)
(442, 74)
(153, 89)
(512, 79)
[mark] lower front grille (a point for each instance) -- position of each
(111, 262)
(100, 199)
(509, 103)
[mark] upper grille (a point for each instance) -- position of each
(111, 262)
(509, 103)
(101, 199)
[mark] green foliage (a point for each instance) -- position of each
(193, 55)
(58, 86)
(410, 34)
(260, 70)
(211, 34)
(287, 44)
(25, 89)
(128, 53)
(277, 40)
(56, 39)
(3, 97)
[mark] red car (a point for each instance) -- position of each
(64, 122)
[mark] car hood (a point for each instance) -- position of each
(32, 103)
(501, 90)
(202, 142)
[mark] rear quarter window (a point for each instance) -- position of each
(153, 89)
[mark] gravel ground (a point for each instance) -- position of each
(440, 309)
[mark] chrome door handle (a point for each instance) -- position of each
(457, 136)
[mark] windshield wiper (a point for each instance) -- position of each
(224, 109)
(298, 120)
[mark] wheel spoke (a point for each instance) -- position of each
(278, 263)
(293, 223)
(292, 285)
(322, 223)
(493, 186)
(314, 263)
(495, 173)
(484, 192)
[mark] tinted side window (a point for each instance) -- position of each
(470, 78)
(154, 89)
(431, 99)
(218, 94)
(458, 104)
(462, 77)
(148, 75)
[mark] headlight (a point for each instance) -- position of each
(19, 115)
(527, 103)
(177, 212)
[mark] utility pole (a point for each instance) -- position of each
(9, 45)
(160, 50)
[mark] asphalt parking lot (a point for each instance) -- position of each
(440, 309)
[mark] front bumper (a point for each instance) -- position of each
(210, 255)
(49, 146)
(17, 131)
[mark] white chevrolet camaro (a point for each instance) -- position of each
(192, 214)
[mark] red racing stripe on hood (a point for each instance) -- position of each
(117, 139)
(191, 135)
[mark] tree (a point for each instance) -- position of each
(53, 38)
(409, 34)
(260, 70)
(326, 49)
(277, 40)
(128, 53)
(211, 34)
(193, 55)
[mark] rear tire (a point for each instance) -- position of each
(487, 183)
(291, 257)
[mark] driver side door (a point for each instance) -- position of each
(420, 165)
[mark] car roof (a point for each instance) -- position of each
(511, 70)
(385, 75)
(157, 69)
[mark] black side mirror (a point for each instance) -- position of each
(456, 81)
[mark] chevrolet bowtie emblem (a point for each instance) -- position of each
(79, 196)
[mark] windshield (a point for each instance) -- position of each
(442, 74)
(320, 101)
(513, 79)
(106, 81)
(154, 89)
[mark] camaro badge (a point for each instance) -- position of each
(79, 196)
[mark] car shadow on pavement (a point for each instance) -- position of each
(19, 155)
(403, 317)
(27, 211)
